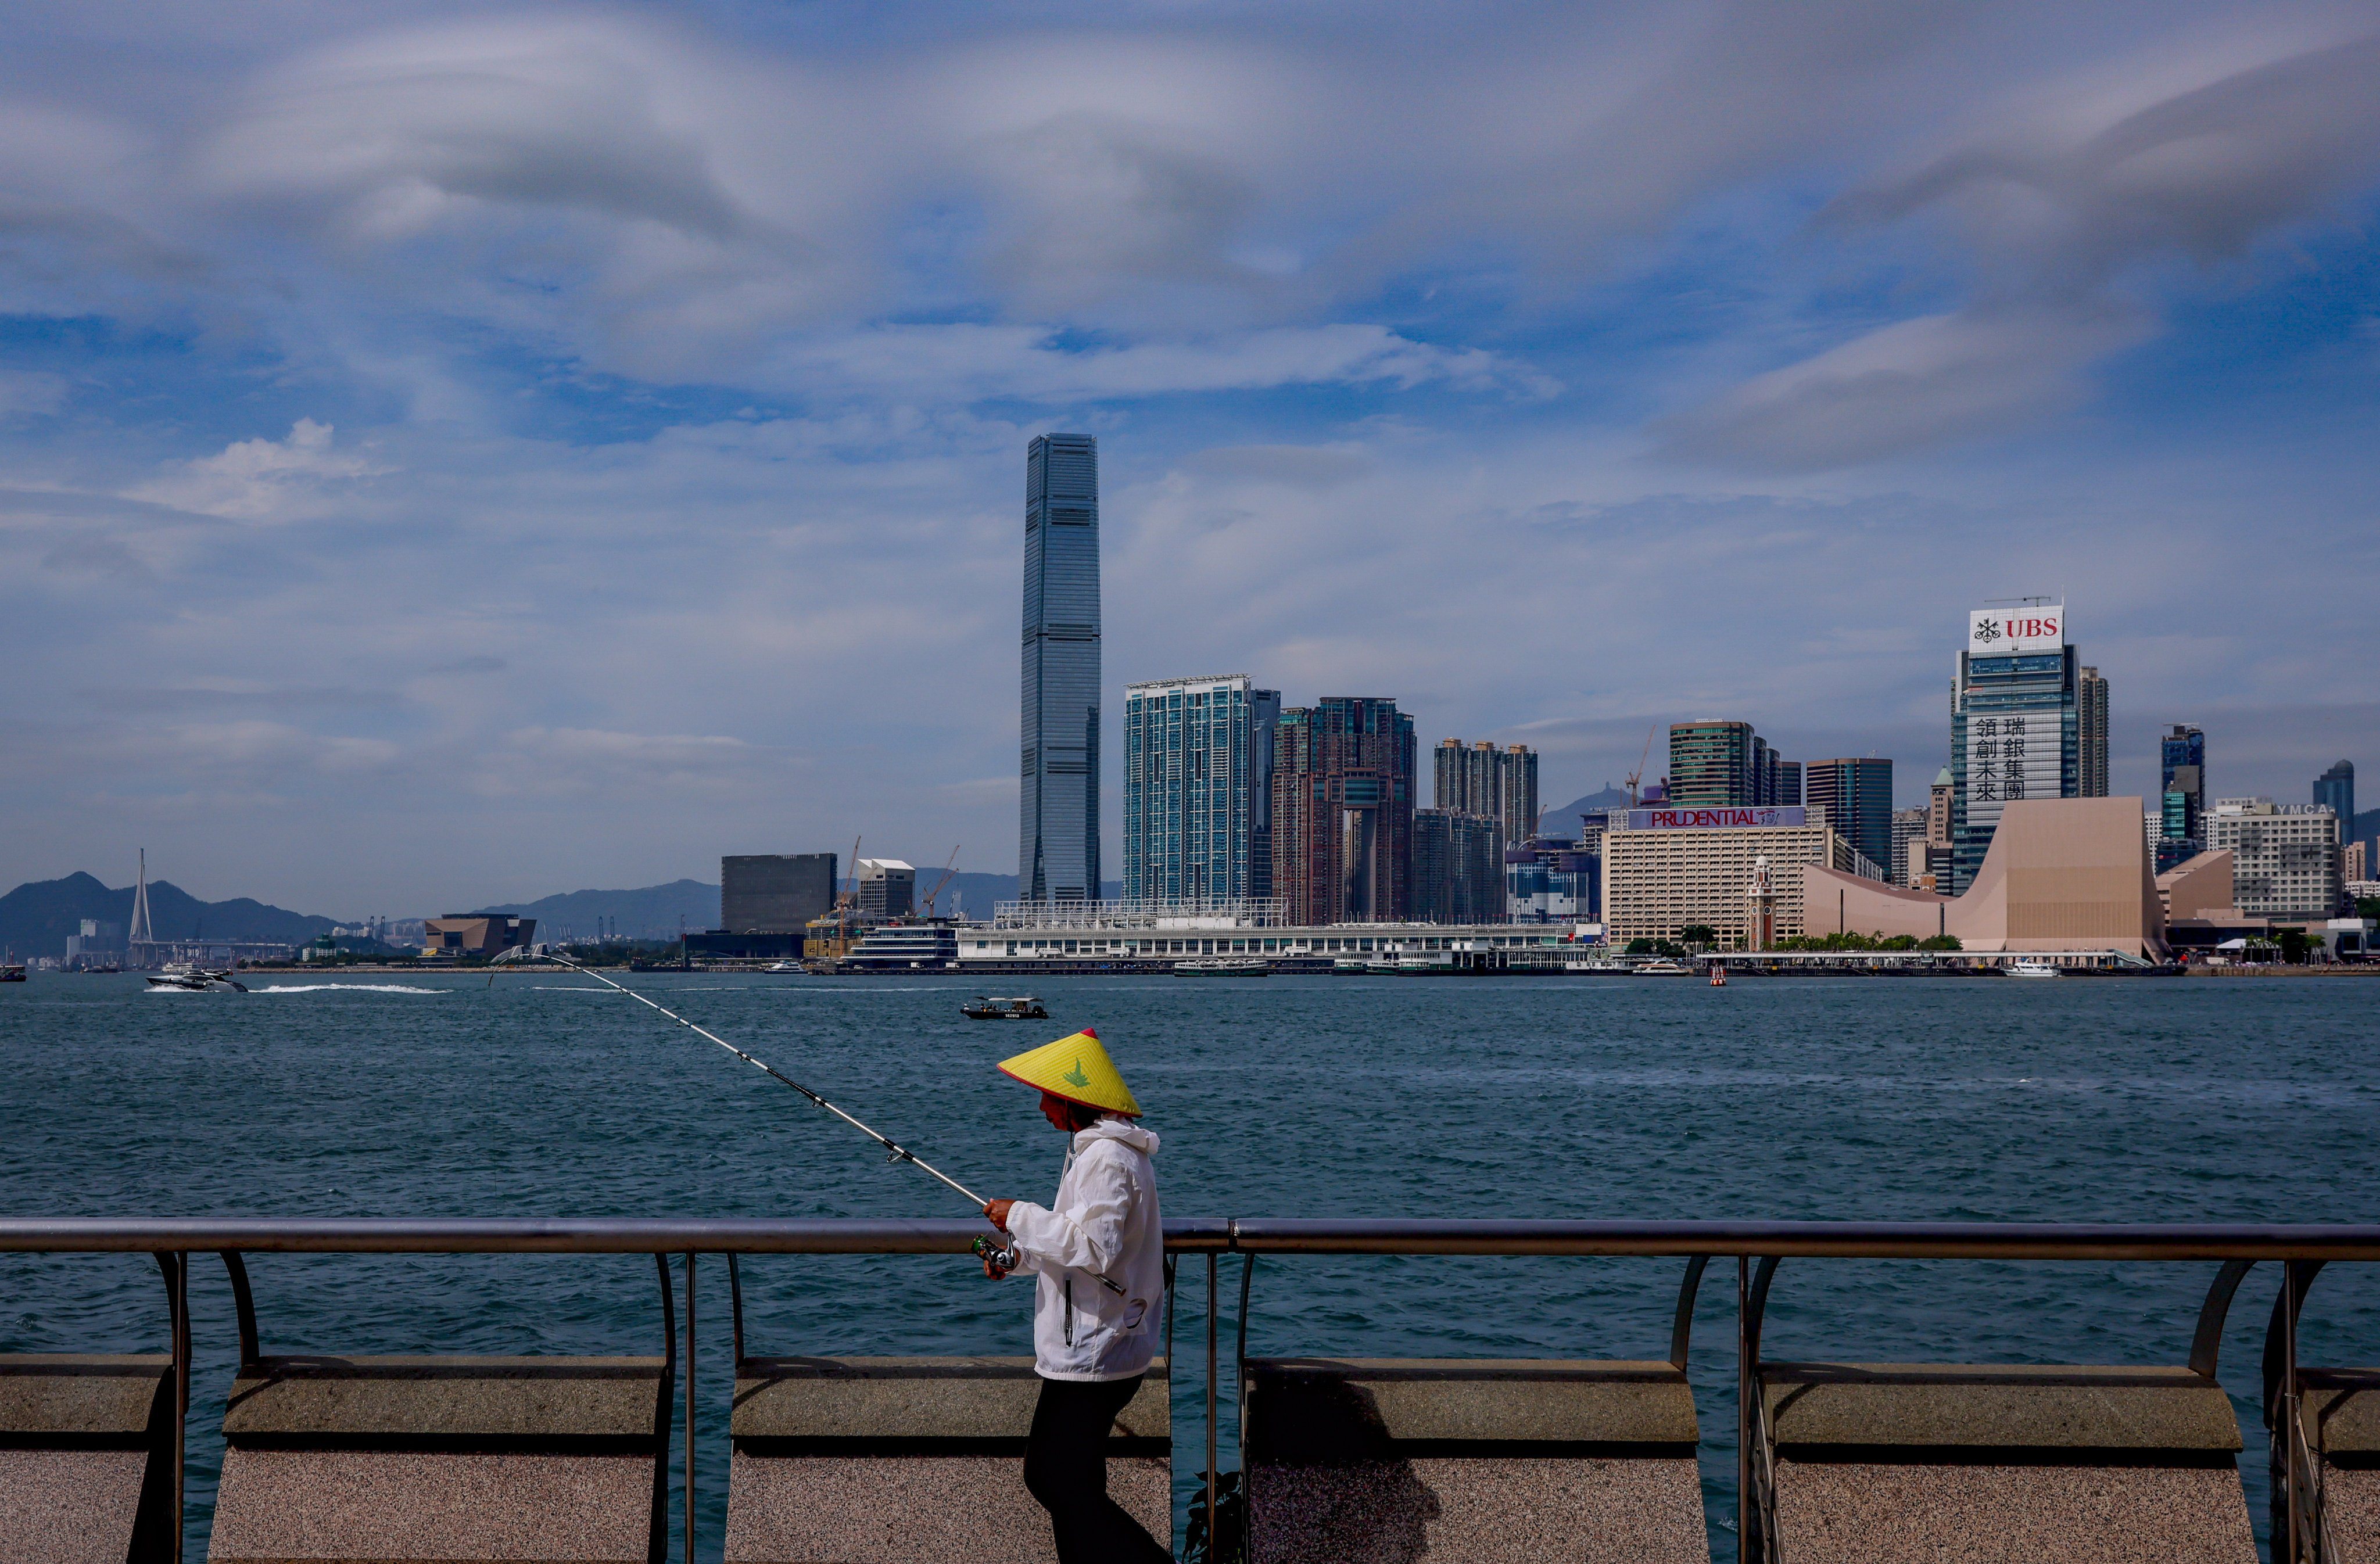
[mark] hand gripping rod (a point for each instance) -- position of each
(899, 1153)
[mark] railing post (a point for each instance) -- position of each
(1214, 1546)
(179, 1279)
(689, 1407)
(1747, 1511)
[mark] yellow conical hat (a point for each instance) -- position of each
(1077, 1069)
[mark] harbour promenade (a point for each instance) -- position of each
(332, 1456)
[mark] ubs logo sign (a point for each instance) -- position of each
(2033, 630)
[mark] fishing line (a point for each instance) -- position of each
(898, 1153)
(1004, 1255)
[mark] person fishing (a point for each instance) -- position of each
(1098, 1251)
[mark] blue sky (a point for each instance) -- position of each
(457, 453)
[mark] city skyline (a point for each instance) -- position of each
(453, 457)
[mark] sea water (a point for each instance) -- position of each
(548, 1095)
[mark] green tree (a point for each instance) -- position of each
(1698, 934)
(2294, 946)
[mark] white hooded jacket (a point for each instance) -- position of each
(1104, 1222)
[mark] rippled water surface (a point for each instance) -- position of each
(2195, 1100)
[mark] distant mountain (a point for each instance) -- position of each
(36, 917)
(652, 913)
(1564, 821)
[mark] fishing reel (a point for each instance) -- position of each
(999, 1253)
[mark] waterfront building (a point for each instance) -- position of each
(2334, 790)
(1342, 804)
(887, 888)
(2090, 734)
(774, 892)
(480, 934)
(1719, 764)
(1264, 717)
(1480, 779)
(1908, 847)
(1190, 776)
(1114, 931)
(1456, 868)
(1667, 869)
(100, 943)
(2014, 724)
(1058, 807)
(2200, 888)
(2285, 859)
(2061, 874)
(1857, 796)
(1553, 879)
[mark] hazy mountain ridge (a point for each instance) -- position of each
(36, 917)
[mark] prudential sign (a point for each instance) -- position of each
(1992, 632)
(1766, 817)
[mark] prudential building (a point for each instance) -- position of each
(2015, 728)
(1058, 825)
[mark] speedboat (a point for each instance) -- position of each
(1661, 966)
(1022, 1007)
(195, 980)
(784, 966)
(2031, 969)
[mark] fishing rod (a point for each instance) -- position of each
(1004, 1254)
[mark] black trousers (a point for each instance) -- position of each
(1066, 1469)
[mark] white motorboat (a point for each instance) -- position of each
(1661, 966)
(994, 1007)
(784, 966)
(1223, 967)
(195, 980)
(2031, 969)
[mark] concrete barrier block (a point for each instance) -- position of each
(388, 1459)
(914, 1461)
(2341, 1413)
(1994, 1462)
(1478, 1460)
(86, 1458)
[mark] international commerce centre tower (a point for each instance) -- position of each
(1058, 816)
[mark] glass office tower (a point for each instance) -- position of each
(1058, 804)
(1190, 770)
(2015, 724)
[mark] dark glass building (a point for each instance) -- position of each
(2015, 725)
(1058, 802)
(1342, 807)
(1857, 796)
(1716, 764)
(1457, 867)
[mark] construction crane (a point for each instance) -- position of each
(1638, 774)
(948, 869)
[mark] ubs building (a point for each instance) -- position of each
(2015, 724)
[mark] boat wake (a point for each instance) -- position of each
(335, 988)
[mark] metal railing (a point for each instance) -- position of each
(1756, 1246)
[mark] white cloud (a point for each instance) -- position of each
(25, 392)
(264, 479)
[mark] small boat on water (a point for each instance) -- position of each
(2031, 969)
(992, 1007)
(1661, 966)
(1223, 967)
(195, 980)
(784, 966)
(12, 973)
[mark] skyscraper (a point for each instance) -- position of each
(1264, 716)
(2181, 796)
(1189, 789)
(1343, 804)
(2336, 787)
(2015, 729)
(1480, 779)
(1717, 764)
(1058, 804)
(1908, 847)
(2091, 732)
(1457, 867)
(1857, 795)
